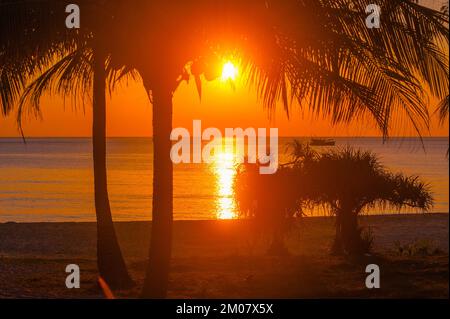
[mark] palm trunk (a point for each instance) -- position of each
(350, 235)
(337, 247)
(157, 276)
(111, 265)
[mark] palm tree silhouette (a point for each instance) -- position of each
(315, 52)
(32, 39)
(339, 66)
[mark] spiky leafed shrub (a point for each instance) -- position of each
(350, 181)
(346, 181)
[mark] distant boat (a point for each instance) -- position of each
(322, 142)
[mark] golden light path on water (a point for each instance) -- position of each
(224, 170)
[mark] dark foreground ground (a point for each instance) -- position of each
(222, 259)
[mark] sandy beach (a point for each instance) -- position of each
(223, 259)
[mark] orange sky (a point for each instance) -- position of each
(129, 114)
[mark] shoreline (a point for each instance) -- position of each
(361, 217)
(227, 259)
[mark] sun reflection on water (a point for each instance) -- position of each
(224, 170)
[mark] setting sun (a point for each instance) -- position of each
(245, 151)
(229, 71)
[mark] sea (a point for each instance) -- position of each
(51, 179)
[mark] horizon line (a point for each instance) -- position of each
(307, 136)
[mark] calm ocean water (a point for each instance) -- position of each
(51, 179)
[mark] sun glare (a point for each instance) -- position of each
(224, 170)
(229, 71)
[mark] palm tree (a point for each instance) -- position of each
(339, 67)
(32, 40)
(350, 181)
(442, 107)
(442, 110)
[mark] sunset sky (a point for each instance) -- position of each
(129, 114)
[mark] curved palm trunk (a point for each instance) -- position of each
(157, 276)
(111, 265)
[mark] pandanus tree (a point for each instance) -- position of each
(347, 182)
(35, 45)
(350, 182)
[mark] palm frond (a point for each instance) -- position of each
(70, 76)
(442, 110)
